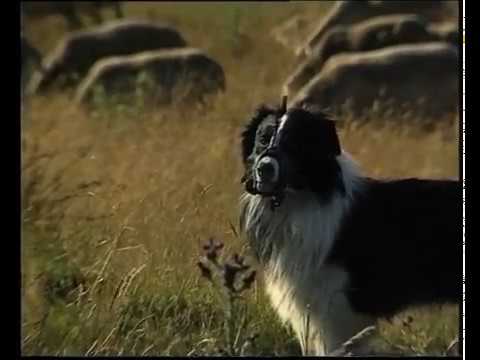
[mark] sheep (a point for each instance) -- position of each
(164, 70)
(351, 11)
(70, 10)
(370, 34)
(78, 51)
(423, 74)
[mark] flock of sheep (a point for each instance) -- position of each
(399, 52)
(121, 55)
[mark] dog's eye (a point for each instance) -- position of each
(266, 135)
(265, 139)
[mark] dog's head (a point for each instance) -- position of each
(294, 150)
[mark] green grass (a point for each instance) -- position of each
(117, 202)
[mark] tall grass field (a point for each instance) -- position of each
(118, 201)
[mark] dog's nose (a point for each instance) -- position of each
(267, 169)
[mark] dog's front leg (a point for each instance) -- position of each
(327, 319)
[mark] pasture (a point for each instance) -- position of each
(117, 202)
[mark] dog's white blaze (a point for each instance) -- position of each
(281, 124)
(298, 282)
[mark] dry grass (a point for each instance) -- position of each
(117, 202)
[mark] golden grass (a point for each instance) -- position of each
(115, 204)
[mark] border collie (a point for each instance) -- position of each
(339, 249)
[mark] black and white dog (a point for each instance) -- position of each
(338, 249)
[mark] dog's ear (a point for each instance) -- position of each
(319, 130)
(248, 134)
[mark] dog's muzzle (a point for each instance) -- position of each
(267, 175)
(268, 178)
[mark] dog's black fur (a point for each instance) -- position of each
(401, 243)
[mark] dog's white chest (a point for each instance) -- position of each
(316, 307)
